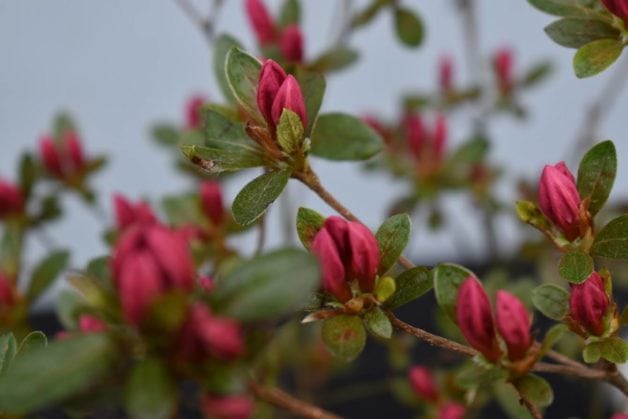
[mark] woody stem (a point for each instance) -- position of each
(534, 411)
(290, 403)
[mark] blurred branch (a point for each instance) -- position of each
(534, 411)
(207, 24)
(290, 403)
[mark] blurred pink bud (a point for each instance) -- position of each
(128, 214)
(74, 151)
(559, 199)
(451, 410)
(7, 292)
(193, 117)
(503, 67)
(270, 79)
(62, 159)
(422, 382)
(589, 303)
(91, 324)
(11, 199)
(513, 324)
(227, 407)
(289, 97)
(261, 21)
(291, 44)
(446, 74)
(206, 283)
(416, 135)
(50, 156)
(440, 137)
(475, 318)
(211, 202)
(619, 415)
(619, 8)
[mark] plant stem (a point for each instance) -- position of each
(205, 24)
(534, 411)
(290, 403)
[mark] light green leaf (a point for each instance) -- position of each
(409, 27)
(447, 279)
(575, 266)
(33, 340)
(344, 336)
(313, 89)
(335, 59)
(290, 133)
(242, 71)
(613, 349)
(551, 300)
(222, 45)
(596, 56)
(290, 13)
(574, 32)
(535, 389)
(377, 323)
(558, 7)
(309, 222)
(8, 350)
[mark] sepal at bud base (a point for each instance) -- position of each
(289, 97)
(385, 288)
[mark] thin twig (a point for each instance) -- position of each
(261, 237)
(290, 403)
(534, 411)
(205, 24)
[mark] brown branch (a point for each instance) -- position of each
(290, 403)
(534, 411)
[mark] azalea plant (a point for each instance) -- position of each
(177, 320)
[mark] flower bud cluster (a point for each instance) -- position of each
(63, 157)
(424, 385)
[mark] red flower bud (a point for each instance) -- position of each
(416, 135)
(502, 65)
(291, 44)
(128, 214)
(589, 303)
(513, 324)
(270, 79)
(377, 126)
(74, 151)
(91, 324)
(50, 156)
(619, 8)
(422, 383)
(206, 283)
(7, 292)
(289, 97)
(193, 117)
(11, 200)
(333, 271)
(451, 410)
(62, 159)
(227, 407)
(445, 74)
(211, 202)
(364, 256)
(559, 199)
(475, 318)
(261, 21)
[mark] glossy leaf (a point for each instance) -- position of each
(409, 27)
(575, 266)
(338, 136)
(558, 7)
(221, 46)
(573, 32)
(290, 133)
(313, 89)
(596, 175)
(447, 279)
(378, 323)
(613, 349)
(612, 240)
(551, 300)
(242, 71)
(257, 195)
(536, 389)
(596, 56)
(309, 222)
(392, 237)
(150, 392)
(344, 336)
(46, 272)
(410, 285)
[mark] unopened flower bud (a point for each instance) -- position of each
(416, 135)
(502, 65)
(270, 80)
(211, 202)
(91, 324)
(63, 158)
(589, 303)
(445, 74)
(7, 292)
(227, 407)
(206, 283)
(193, 117)
(74, 151)
(364, 256)
(559, 199)
(291, 44)
(50, 156)
(261, 21)
(127, 213)
(333, 271)
(475, 318)
(619, 8)
(422, 382)
(11, 199)
(451, 410)
(513, 324)
(289, 97)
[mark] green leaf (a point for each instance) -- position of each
(335, 59)
(33, 340)
(410, 285)
(596, 56)
(290, 13)
(46, 272)
(535, 389)
(269, 286)
(377, 323)
(385, 288)
(222, 45)
(469, 154)
(392, 238)
(28, 174)
(183, 210)
(242, 71)
(573, 32)
(613, 349)
(536, 74)
(612, 240)
(309, 222)
(575, 266)
(313, 89)
(216, 160)
(596, 175)
(552, 337)
(338, 136)
(474, 375)
(290, 132)
(558, 7)
(409, 27)
(257, 195)
(150, 392)
(344, 336)
(8, 350)
(166, 134)
(551, 300)
(447, 279)
(529, 213)
(65, 368)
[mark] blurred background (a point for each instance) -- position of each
(119, 67)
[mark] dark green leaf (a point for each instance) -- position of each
(8, 350)
(33, 340)
(377, 323)
(558, 7)
(223, 133)
(290, 13)
(335, 59)
(575, 266)
(596, 56)
(216, 160)
(474, 375)
(338, 136)
(10, 248)
(290, 133)
(612, 240)
(409, 27)
(270, 285)
(309, 222)
(410, 285)
(447, 279)
(313, 89)
(257, 195)
(166, 134)
(46, 272)
(242, 71)
(536, 74)
(613, 349)
(551, 300)
(596, 175)
(575, 32)
(392, 238)
(28, 174)
(367, 14)
(344, 336)
(150, 392)
(222, 45)
(65, 368)
(535, 389)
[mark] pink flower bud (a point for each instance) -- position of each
(291, 44)
(62, 159)
(50, 156)
(7, 292)
(502, 65)
(74, 152)
(128, 214)
(589, 303)
(422, 383)
(440, 138)
(270, 80)
(11, 200)
(206, 283)
(451, 410)
(193, 117)
(513, 324)
(333, 271)
(364, 256)
(289, 97)
(227, 407)
(91, 324)
(445, 74)
(211, 202)
(619, 8)
(261, 21)
(559, 199)
(619, 415)
(475, 318)
(416, 134)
